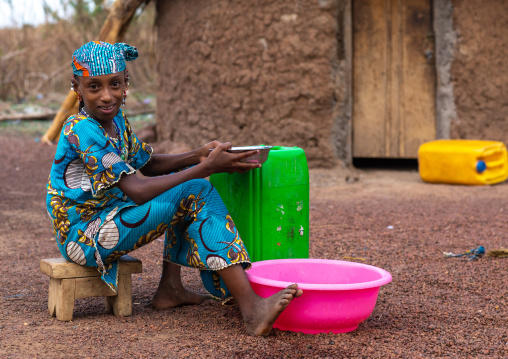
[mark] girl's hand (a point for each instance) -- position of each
(204, 151)
(219, 160)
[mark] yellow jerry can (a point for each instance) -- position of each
(469, 162)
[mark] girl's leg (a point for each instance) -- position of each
(258, 313)
(137, 226)
(171, 292)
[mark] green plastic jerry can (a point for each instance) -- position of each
(270, 205)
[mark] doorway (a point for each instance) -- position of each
(394, 78)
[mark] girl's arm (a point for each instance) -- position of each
(161, 164)
(142, 190)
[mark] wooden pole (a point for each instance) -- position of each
(69, 107)
(112, 31)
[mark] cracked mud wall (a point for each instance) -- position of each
(480, 70)
(277, 72)
(253, 72)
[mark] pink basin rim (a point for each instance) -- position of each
(385, 277)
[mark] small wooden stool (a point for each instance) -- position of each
(69, 281)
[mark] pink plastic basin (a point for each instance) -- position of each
(337, 295)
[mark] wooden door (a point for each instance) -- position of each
(393, 77)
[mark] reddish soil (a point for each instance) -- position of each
(434, 307)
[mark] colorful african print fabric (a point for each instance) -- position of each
(198, 229)
(95, 223)
(97, 58)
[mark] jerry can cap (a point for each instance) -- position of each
(481, 166)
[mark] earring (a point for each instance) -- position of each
(80, 98)
(73, 89)
(125, 89)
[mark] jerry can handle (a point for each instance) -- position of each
(490, 151)
(499, 163)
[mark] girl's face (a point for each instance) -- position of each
(102, 95)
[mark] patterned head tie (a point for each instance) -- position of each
(100, 58)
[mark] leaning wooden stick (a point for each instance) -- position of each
(112, 31)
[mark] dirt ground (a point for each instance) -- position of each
(435, 307)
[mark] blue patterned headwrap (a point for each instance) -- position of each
(100, 58)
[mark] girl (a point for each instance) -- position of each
(102, 210)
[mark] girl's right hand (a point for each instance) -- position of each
(219, 160)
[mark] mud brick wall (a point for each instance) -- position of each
(252, 72)
(480, 70)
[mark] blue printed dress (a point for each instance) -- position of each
(95, 223)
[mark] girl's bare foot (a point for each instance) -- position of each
(171, 292)
(260, 319)
(168, 297)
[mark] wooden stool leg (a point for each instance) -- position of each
(121, 304)
(65, 299)
(54, 285)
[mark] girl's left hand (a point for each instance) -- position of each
(204, 151)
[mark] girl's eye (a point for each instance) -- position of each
(94, 86)
(116, 83)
